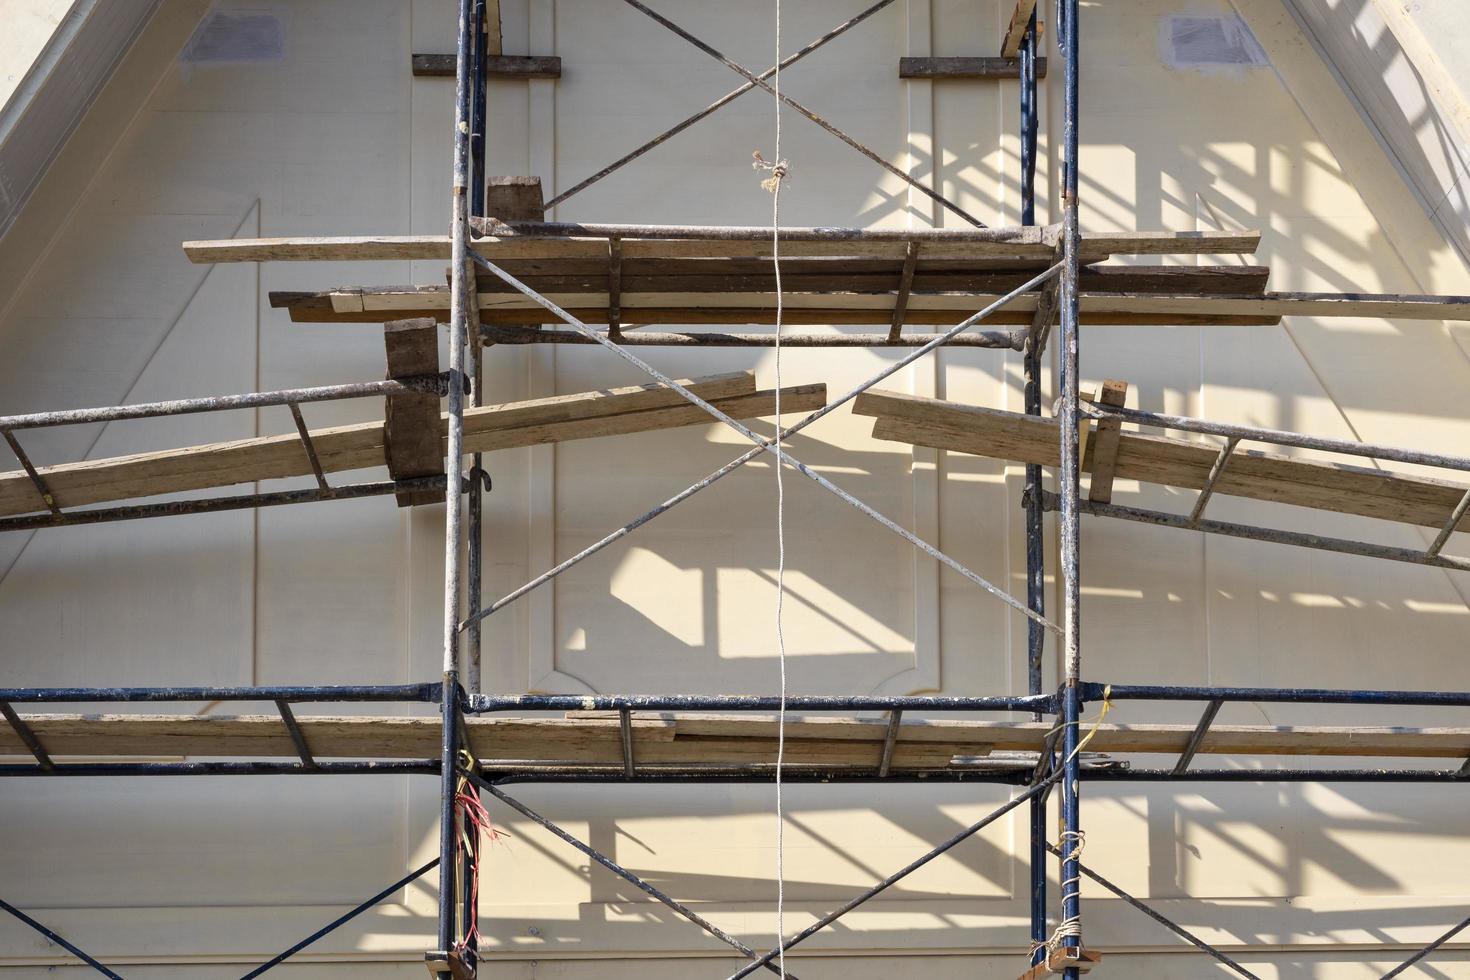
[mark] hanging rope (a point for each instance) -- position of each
(1071, 928)
(777, 169)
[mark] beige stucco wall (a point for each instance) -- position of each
(335, 137)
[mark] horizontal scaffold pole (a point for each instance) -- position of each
(322, 694)
(990, 339)
(1298, 539)
(435, 384)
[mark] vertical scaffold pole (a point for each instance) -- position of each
(1068, 35)
(1035, 531)
(462, 281)
(469, 888)
(477, 356)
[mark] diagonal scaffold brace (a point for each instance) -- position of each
(908, 869)
(54, 937)
(785, 99)
(621, 872)
(716, 105)
(764, 445)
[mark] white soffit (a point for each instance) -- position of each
(62, 83)
(1404, 100)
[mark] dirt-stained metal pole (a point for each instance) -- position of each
(462, 283)
(1031, 495)
(475, 548)
(1070, 931)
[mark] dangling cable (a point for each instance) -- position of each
(778, 168)
(474, 827)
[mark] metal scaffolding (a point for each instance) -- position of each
(1056, 940)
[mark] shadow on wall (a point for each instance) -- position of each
(1403, 106)
(1264, 841)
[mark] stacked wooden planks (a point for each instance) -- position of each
(826, 290)
(680, 274)
(585, 415)
(691, 739)
(840, 298)
(1174, 462)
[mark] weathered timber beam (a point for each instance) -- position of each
(514, 198)
(1105, 446)
(517, 424)
(905, 290)
(563, 240)
(410, 437)
(1010, 45)
(1318, 484)
(662, 740)
(494, 30)
(961, 68)
(496, 66)
(319, 310)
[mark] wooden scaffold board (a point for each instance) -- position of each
(585, 415)
(830, 276)
(1319, 484)
(1036, 244)
(692, 739)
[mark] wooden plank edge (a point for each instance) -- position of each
(1105, 448)
(685, 240)
(956, 68)
(496, 66)
(1010, 45)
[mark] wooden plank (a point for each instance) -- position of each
(1028, 242)
(1044, 316)
(1314, 483)
(544, 420)
(1010, 45)
(870, 276)
(1160, 307)
(411, 421)
(614, 286)
(514, 199)
(698, 724)
(1105, 444)
(845, 274)
(877, 277)
(905, 290)
(1012, 270)
(704, 740)
(958, 68)
(496, 66)
(1118, 306)
(1084, 425)
(494, 30)
(1397, 306)
(722, 266)
(319, 309)
(1100, 243)
(1058, 961)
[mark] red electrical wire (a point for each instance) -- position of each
(474, 823)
